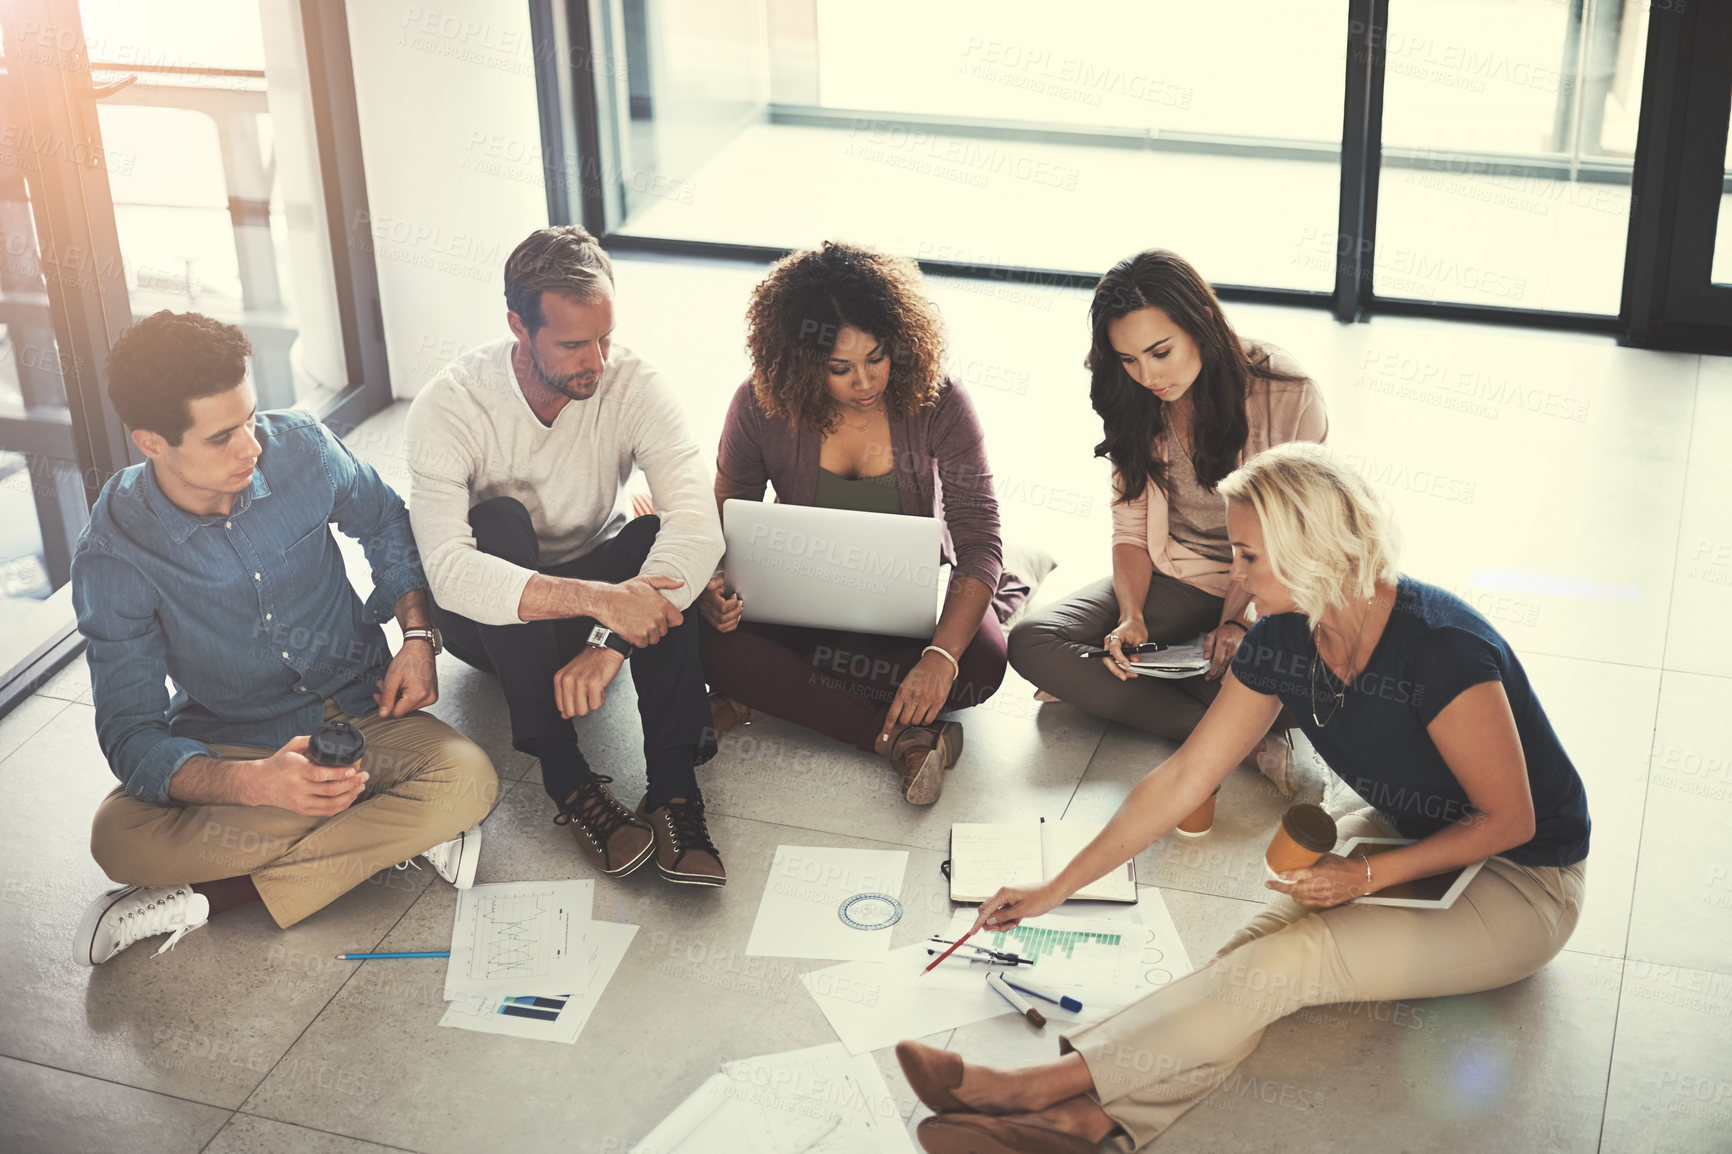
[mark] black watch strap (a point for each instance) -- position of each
(601, 636)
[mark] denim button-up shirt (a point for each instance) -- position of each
(251, 613)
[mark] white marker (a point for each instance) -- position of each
(1015, 999)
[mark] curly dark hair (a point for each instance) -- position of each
(160, 365)
(1133, 418)
(798, 310)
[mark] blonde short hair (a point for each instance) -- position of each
(1329, 536)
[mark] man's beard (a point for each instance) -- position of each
(568, 385)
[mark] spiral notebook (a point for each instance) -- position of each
(985, 856)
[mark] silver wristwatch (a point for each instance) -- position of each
(601, 637)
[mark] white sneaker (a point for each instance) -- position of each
(455, 859)
(128, 914)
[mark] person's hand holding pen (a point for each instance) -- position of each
(1009, 906)
(1127, 634)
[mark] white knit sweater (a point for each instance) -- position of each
(473, 437)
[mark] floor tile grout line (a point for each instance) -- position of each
(1653, 731)
(123, 1085)
(1661, 668)
(826, 833)
(317, 1014)
(1083, 776)
(312, 1129)
(1660, 689)
(31, 736)
(1612, 1054)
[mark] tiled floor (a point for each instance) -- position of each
(1574, 490)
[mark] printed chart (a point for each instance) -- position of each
(511, 939)
(1095, 960)
(1032, 940)
(520, 938)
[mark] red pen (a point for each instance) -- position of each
(951, 950)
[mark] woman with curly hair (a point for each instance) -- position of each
(1184, 401)
(848, 407)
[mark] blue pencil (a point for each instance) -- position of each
(406, 954)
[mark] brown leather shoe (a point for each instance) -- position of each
(613, 839)
(980, 1134)
(921, 753)
(932, 1074)
(683, 850)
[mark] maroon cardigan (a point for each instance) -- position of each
(941, 471)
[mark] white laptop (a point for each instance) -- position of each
(835, 568)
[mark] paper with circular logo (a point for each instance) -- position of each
(824, 901)
(870, 912)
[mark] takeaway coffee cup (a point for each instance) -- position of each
(336, 743)
(1306, 834)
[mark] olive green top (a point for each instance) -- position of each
(865, 494)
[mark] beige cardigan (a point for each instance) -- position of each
(1278, 412)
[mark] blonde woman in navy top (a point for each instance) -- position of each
(1415, 701)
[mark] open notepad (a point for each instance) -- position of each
(986, 856)
(1174, 663)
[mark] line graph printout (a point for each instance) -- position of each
(520, 938)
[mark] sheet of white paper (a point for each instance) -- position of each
(605, 946)
(690, 1116)
(871, 1005)
(801, 913)
(519, 938)
(821, 1100)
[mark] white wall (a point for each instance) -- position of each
(449, 135)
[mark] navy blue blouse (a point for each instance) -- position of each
(1434, 647)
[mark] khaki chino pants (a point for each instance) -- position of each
(426, 784)
(1158, 1057)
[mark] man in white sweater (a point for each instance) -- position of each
(518, 450)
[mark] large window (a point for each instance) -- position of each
(1518, 124)
(1469, 158)
(992, 135)
(160, 155)
(214, 173)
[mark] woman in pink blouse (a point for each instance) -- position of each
(1183, 401)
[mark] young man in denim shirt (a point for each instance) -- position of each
(213, 564)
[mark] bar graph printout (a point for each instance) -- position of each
(1106, 963)
(520, 939)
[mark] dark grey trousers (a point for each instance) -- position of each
(1046, 648)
